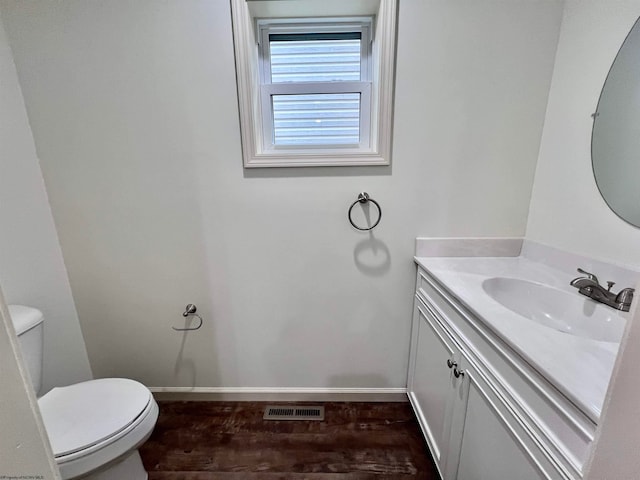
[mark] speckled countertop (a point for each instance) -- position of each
(577, 366)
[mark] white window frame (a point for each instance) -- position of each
(256, 133)
(268, 89)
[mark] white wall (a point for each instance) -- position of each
(134, 111)
(567, 210)
(32, 271)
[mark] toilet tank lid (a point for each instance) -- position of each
(25, 318)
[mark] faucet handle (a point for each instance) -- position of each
(625, 296)
(589, 275)
(610, 285)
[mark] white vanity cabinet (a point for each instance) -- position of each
(491, 446)
(434, 388)
(485, 414)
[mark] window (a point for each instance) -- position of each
(314, 90)
(315, 84)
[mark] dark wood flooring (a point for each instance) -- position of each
(231, 441)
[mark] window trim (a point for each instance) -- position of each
(250, 97)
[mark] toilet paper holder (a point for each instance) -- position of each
(189, 310)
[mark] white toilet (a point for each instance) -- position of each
(95, 427)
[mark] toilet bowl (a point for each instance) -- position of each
(94, 427)
(92, 424)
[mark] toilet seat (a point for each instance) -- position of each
(92, 423)
(80, 416)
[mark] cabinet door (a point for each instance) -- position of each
(489, 448)
(431, 382)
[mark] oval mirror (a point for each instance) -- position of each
(615, 140)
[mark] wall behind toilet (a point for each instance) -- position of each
(32, 271)
(134, 111)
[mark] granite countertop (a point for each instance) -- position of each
(579, 367)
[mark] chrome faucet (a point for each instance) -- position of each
(590, 287)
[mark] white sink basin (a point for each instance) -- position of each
(562, 311)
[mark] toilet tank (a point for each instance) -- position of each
(27, 322)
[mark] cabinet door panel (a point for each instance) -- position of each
(432, 383)
(489, 450)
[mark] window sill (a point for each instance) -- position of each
(314, 160)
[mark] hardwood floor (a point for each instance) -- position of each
(231, 441)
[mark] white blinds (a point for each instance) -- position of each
(315, 118)
(294, 59)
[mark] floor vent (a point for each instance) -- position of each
(293, 412)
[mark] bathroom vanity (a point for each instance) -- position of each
(500, 394)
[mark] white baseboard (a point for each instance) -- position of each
(249, 394)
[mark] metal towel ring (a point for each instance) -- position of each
(364, 198)
(190, 310)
